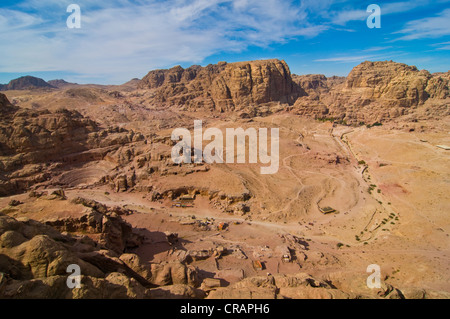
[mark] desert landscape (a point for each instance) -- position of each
(87, 178)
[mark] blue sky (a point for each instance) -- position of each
(123, 39)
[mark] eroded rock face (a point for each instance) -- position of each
(29, 138)
(41, 134)
(224, 86)
(438, 86)
(34, 258)
(115, 233)
(373, 92)
(35, 142)
(30, 250)
(5, 106)
(396, 84)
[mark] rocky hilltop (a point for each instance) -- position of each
(26, 83)
(224, 86)
(59, 83)
(374, 92)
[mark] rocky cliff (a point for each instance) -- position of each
(224, 86)
(374, 92)
(34, 142)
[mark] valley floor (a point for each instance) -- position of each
(389, 186)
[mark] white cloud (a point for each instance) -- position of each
(343, 17)
(373, 49)
(14, 20)
(119, 39)
(370, 54)
(430, 27)
(347, 59)
(443, 46)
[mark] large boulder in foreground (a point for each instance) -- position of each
(34, 260)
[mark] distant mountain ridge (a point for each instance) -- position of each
(26, 83)
(372, 92)
(60, 83)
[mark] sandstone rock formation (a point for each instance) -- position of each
(33, 137)
(115, 233)
(5, 105)
(34, 258)
(224, 86)
(373, 92)
(35, 142)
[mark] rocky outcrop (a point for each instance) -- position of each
(40, 135)
(373, 92)
(32, 250)
(223, 86)
(33, 143)
(32, 137)
(299, 286)
(438, 86)
(315, 85)
(34, 258)
(26, 83)
(6, 108)
(115, 233)
(395, 84)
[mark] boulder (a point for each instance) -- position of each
(173, 273)
(42, 257)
